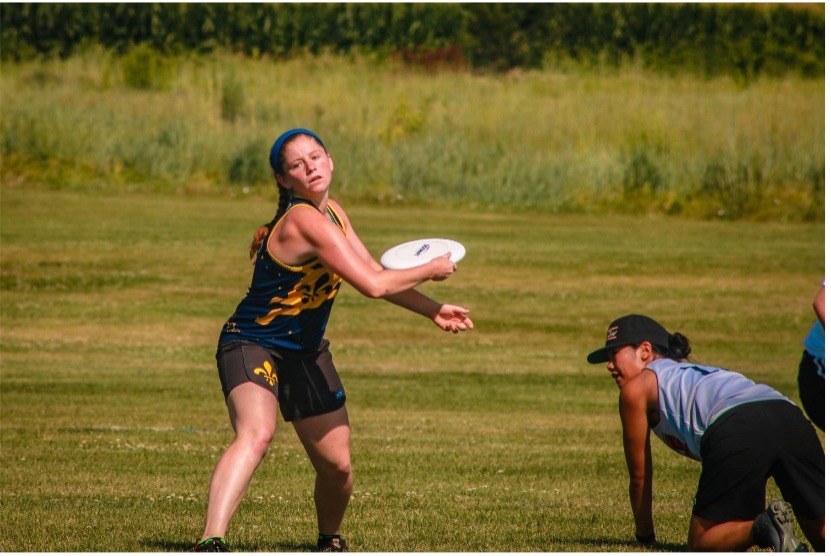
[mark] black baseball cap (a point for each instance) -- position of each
(630, 330)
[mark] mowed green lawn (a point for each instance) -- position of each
(499, 439)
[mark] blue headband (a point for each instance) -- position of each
(274, 159)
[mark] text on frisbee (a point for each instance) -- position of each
(419, 251)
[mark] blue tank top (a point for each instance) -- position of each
(815, 341)
(287, 306)
(691, 397)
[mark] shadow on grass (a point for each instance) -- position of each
(182, 546)
(607, 543)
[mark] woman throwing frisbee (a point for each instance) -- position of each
(741, 432)
(272, 352)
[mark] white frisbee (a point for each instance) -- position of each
(419, 251)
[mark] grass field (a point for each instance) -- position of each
(500, 439)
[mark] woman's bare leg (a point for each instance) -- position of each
(326, 440)
(253, 413)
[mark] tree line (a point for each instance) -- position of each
(743, 40)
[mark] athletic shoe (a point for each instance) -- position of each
(334, 544)
(773, 528)
(212, 544)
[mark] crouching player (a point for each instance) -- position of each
(741, 432)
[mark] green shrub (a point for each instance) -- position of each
(249, 165)
(144, 68)
(403, 121)
(233, 99)
(732, 192)
(641, 174)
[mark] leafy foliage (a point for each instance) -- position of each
(711, 39)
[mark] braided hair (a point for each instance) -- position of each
(262, 232)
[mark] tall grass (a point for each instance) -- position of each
(620, 141)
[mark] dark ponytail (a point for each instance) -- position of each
(679, 348)
(262, 232)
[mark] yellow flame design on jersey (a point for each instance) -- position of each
(316, 287)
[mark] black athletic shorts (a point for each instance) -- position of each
(811, 381)
(305, 384)
(749, 444)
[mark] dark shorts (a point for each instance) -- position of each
(751, 443)
(304, 384)
(811, 381)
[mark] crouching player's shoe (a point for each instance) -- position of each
(773, 528)
(331, 543)
(211, 544)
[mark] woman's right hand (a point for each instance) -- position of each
(442, 268)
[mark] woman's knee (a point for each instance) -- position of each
(253, 413)
(256, 440)
(326, 439)
(336, 470)
(694, 539)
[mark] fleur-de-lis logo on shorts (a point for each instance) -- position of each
(267, 373)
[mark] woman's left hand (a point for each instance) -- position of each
(453, 318)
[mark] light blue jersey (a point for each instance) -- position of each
(692, 397)
(815, 342)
